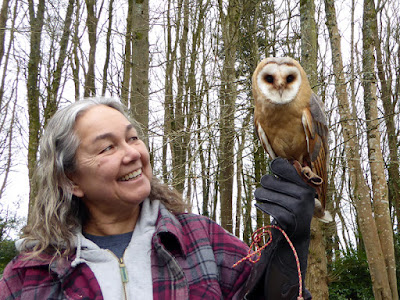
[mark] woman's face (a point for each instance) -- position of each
(113, 165)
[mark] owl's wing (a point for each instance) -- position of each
(262, 136)
(316, 130)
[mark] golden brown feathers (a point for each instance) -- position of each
(290, 119)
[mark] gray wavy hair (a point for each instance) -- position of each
(57, 214)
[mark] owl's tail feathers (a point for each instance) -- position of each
(327, 218)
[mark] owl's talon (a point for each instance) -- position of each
(307, 174)
(311, 176)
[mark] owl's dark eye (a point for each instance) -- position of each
(289, 79)
(269, 78)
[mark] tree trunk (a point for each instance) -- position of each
(139, 98)
(7, 164)
(179, 141)
(52, 104)
(127, 62)
(3, 22)
(36, 23)
(392, 136)
(317, 273)
(168, 98)
(108, 47)
(75, 65)
(196, 101)
(239, 172)
(360, 190)
(4, 17)
(309, 44)
(230, 30)
(91, 23)
(377, 167)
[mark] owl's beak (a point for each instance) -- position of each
(280, 86)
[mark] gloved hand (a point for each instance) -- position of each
(287, 198)
(290, 201)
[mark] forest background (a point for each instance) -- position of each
(184, 70)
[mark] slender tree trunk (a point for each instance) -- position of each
(240, 172)
(360, 191)
(239, 163)
(3, 23)
(36, 24)
(205, 160)
(309, 44)
(6, 168)
(126, 79)
(139, 98)
(392, 136)
(196, 99)
(260, 168)
(108, 47)
(52, 105)
(178, 145)
(377, 167)
(91, 23)
(317, 273)
(168, 100)
(11, 41)
(249, 25)
(75, 58)
(247, 231)
(230, 31)
(205, 172)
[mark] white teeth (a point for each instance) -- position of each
(131, 175)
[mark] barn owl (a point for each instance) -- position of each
(290, 122)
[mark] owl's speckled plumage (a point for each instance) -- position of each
(290, 119)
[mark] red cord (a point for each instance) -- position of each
(257, 238)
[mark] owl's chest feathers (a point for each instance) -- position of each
(283, 126)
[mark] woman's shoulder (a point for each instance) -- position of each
(192, 217)
(194, 223)
(192, 228)
(27, 260)
(14, 273)
(184, 219)
(41, 277)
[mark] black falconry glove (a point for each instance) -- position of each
(290, 201)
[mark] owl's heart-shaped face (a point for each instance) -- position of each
(279, 80)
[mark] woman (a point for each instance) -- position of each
(102, 227)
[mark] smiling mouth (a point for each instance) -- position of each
(131, 175)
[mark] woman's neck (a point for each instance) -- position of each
(103, 224)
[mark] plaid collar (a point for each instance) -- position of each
(170, 231)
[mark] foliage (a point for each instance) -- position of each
(350, 277)
(7, 247)
(7, 252)
(397, 253)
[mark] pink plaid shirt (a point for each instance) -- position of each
(191, 258)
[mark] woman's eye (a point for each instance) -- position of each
(133, 138)
(108, 148)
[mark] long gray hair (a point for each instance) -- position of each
(57, 214)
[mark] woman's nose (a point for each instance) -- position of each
(130, 153)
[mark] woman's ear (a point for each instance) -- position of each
(76, 189)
